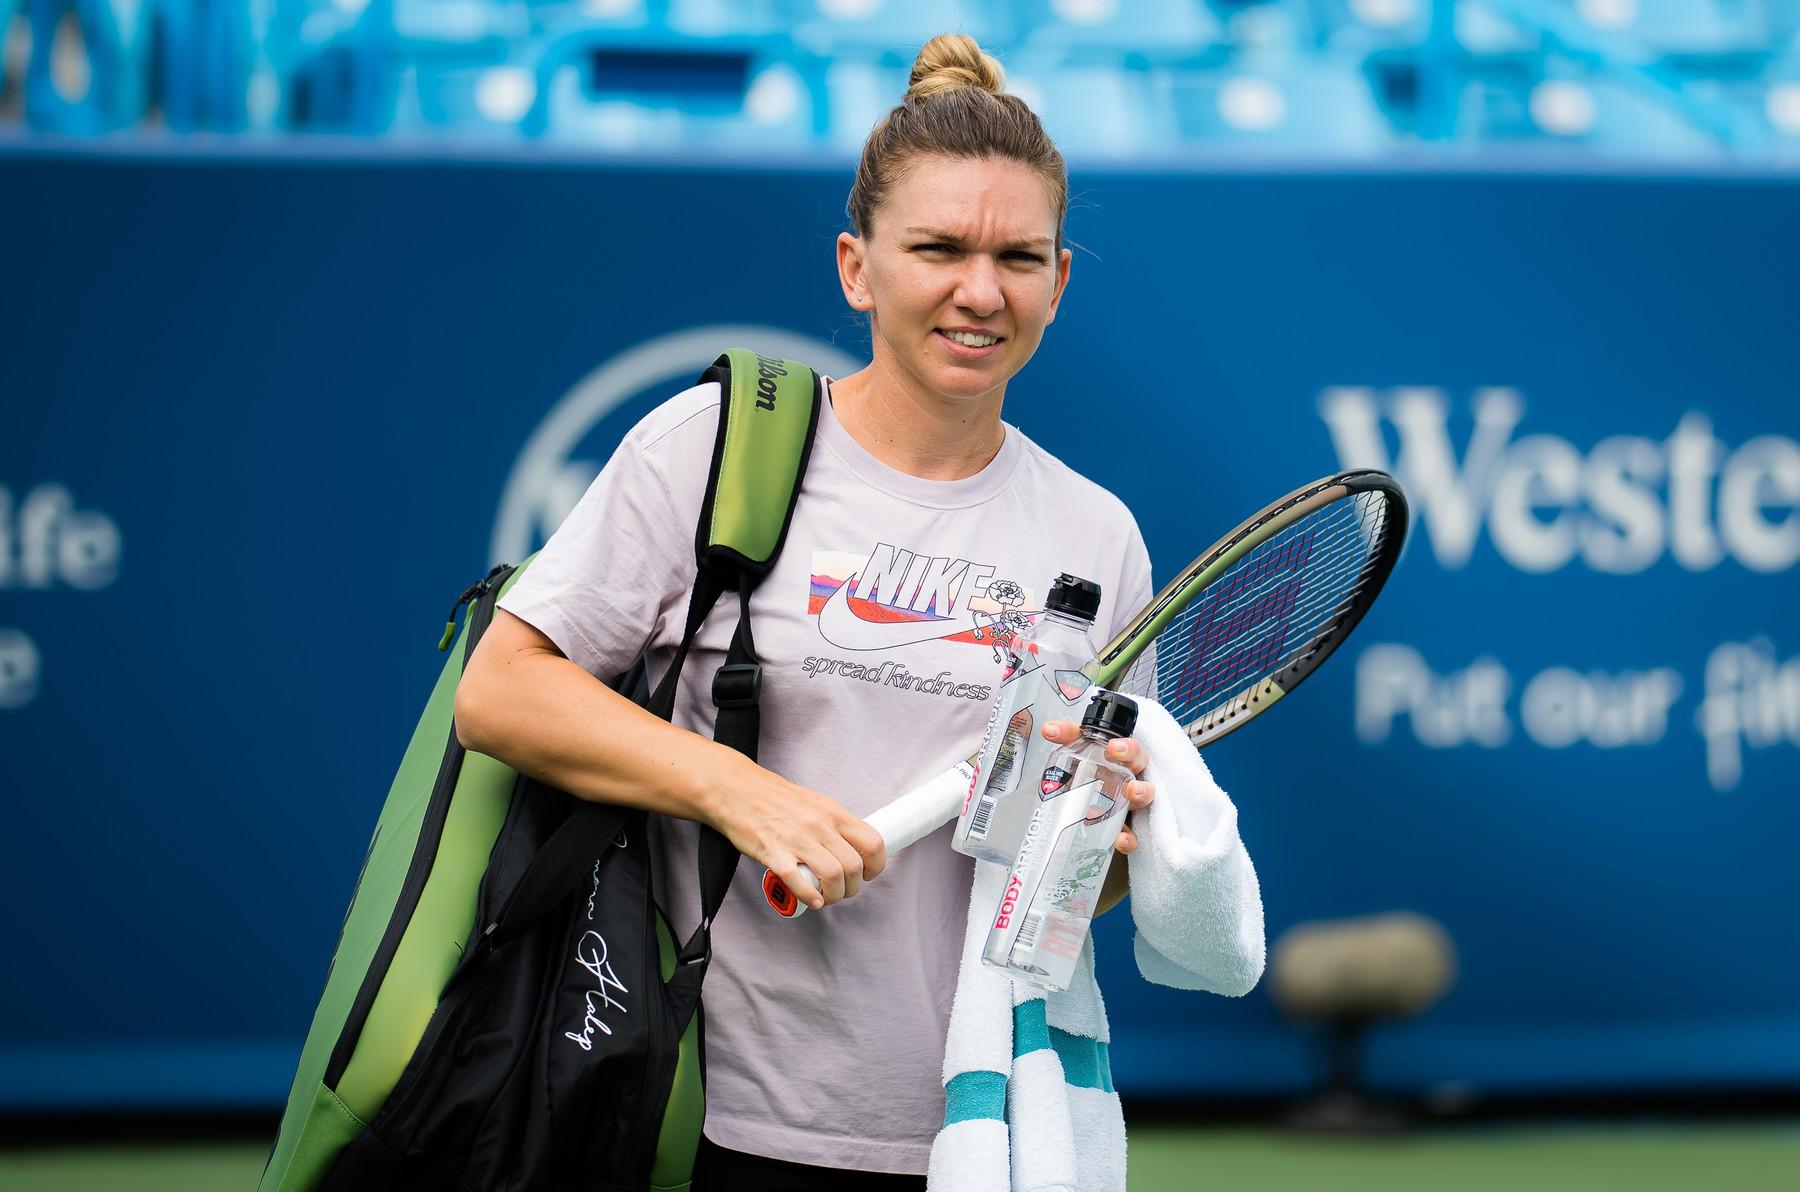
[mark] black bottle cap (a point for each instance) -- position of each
(1112, 713)
(1074, 596)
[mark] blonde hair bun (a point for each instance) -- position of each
(951, 61)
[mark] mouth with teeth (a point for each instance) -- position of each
(970, 343)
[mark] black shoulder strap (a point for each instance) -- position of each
(768, 414)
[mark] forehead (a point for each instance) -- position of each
(983, 198)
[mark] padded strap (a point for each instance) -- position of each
(767, 421)
(768, 414)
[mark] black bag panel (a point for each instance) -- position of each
(548, 1062)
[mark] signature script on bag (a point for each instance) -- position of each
(590, 954)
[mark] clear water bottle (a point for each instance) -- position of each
(1054, 883)
(1042, 682)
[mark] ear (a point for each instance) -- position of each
(853, 272)
(1062, 280)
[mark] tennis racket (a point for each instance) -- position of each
(1242, 626)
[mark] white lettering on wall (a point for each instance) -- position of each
(46, 541)
(1618, 507)
(18, 669)
(1466, 707)
(1762, 476)
(1561, 707)
(1750, 701)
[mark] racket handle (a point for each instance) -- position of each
(906, 821)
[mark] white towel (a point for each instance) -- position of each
(1029, 1102)
(1194, 895)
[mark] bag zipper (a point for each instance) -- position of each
(474, 591)
(431, 831)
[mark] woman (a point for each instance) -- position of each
(825, 1036)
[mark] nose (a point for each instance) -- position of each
(978, 289)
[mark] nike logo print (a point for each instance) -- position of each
(839, 625)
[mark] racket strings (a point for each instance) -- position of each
(1268, 609)
(1239, 602)
(1238, 630)
(1281, 608)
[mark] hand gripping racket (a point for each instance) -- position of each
(1242, 625)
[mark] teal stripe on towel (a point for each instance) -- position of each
(971, 1095)
(1030, 1031)
(1086, 1062)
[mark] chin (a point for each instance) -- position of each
(968, 382)
(965, 386)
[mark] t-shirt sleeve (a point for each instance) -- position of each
(1136, 580)
(619, 562)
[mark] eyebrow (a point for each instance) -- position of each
(941, 234)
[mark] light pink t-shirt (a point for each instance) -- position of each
(825, 1035)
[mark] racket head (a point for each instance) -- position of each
(1257, 612)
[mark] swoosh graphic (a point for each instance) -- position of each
(839, 625)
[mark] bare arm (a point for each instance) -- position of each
(521, 701)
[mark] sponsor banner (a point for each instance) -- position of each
(263, 422)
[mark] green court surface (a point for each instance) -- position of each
(1656, 1157)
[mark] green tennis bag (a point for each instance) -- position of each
(507, 1007)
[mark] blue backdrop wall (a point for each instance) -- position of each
(262, 419)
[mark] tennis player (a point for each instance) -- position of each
(825, 1035)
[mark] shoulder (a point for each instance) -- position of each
(1069, 498)
(1096, 503)
(673, 427)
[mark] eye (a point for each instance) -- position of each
(935, 246)
(1028, 257)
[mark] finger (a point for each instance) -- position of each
(1129, 751)
(1061, 731)
(829, 870)
(851, 863)
(869, 846)
(1127, 842)
(1140, 793)
(801, 883)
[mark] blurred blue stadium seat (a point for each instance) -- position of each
(721, 18)
(426, 25)
(1773, 103)
(1680, 26)
(1360, 25)
(1094, 111)
(1486, 27)
(336, 70)
(97, 66)
(10, 38)
(1561, 111)
(452, 69)
(896, 27)
(563, 14)
(475, 100)
(89, 70)
(1156, 29)
(1781, 111)
(1314, 108)
(719, 94)
(860, 90)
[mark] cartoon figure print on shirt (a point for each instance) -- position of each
(888, 597)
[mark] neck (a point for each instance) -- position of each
(918, 433)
